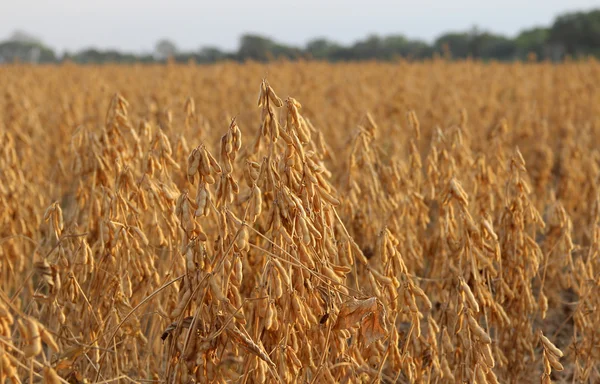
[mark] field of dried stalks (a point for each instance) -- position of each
(412, 222)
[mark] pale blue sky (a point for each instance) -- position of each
(135, 25)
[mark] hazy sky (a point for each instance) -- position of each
(135, 25)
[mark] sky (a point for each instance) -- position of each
(136, 25)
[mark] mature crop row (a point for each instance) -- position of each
(407, 222)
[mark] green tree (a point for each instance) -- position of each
(95, 56)
(370, 48)
(210, 55)
(533, 40)
(321, 48)
(255, 47)
(577, 33)
(457, 43)
(260, 48)
(400, 46)
(491, 46)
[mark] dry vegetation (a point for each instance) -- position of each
(432, 223)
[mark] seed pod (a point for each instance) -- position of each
(216, 290)
(181, 305)
(257, 200)
(543, 304)
(478, 330)
(141, 235)
(261, 305)
(235, 187)
(262, 93)
(237, 139)
(275, 130)
(297, 309)
(33, 338)
(303, 229)
(237, 273)
(374, 286)
(285, 235)
(265, 124)
(416, 323)
(50, 376)
(227, 166)
(409, 299)
(127, 288)
(48, 339)
(209, 179)
(241, 241)
(213, 162)
(190, 261)
(303, 131)
(8, 369)
(202, 200)
(488, 357)
(381, 278)
(292, 357)
(59, 215)
(419, 292)
(269, 316)
(227, 143)
(480, 374)
(469, 295)
(276, 284)
(204, 166)
(491, 377)
(273, 97)
(458, 192)
(282, 271)
(447, 372)
(193, 164)
(549, 346)
(553, 360)
(261, 372)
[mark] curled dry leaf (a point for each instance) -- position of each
(373, 327)
(353, 311)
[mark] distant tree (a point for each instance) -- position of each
(343, 54)
(255, 47)
(21, 46)
(400, 46)
(395, 45)
(279, 50)
(477, 44)
(11, 51)
(165, 49)
(458, 43)
(533, 41)
(95, 56)
(20, 36)
(370, 48)
(491, 46)
(210, 55)
(321, 48)
(577, 33)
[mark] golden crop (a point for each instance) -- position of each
(428, 222)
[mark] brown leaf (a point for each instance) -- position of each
(354, 311)
(373, 326)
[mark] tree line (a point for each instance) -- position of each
(575, 34)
